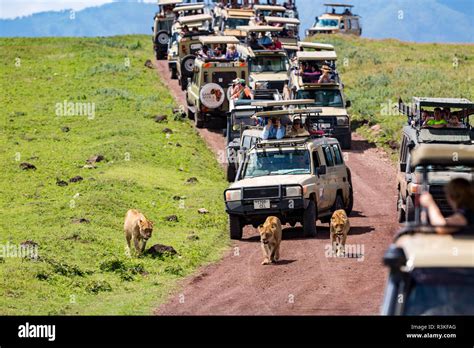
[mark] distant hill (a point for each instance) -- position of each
(423, 20)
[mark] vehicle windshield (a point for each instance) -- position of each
(455, 169)
(277, 163)
(327, 23)
(441, 292)
(323, 97)
(273, 63)
(232, 23)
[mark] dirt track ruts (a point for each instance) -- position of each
(305, 281)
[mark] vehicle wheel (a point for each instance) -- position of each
(190, 114)
(187, 64)
(235, 227)
(346, 142)
(400, 210)
(174, 74)
(198, 121)
(409, 210)
(338, 203)
(351, 201)
(231, 172)
(309, 220)
(183, 83)
(162, 38)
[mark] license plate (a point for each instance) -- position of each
(261, 204)
(325, 125)
(224, 65)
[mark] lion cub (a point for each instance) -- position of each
(338, 231)
(138, 228)
(270, 238)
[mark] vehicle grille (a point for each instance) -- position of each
(440, 198)
(261, 192)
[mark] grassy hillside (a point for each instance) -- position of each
(377, 72)
(82, 267)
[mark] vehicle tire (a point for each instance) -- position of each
(183, 83)
(187, 65)
(346, 142)
(309, 220)
(162, 38)
(338, 203)
(400, 210)
(174, 74)
(350, 205)
(231, 172)
(198, 121)
(409, 209)
(235, 227)
(189, 113)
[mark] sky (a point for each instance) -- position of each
(15, 8)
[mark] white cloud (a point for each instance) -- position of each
(17, 8)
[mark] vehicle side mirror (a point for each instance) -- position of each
(411, 145)
(403, 167)
(348, 103)
(322, 170)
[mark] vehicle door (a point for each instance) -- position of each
(321, 179)
(340, 170)
(331, 184)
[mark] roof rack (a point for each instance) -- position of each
(288, 112)
(211, 40)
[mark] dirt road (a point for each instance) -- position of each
(305, 281)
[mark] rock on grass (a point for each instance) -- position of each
(27, 166)
(77, 178)
(161, 118)
(95, 159)
(159, 250)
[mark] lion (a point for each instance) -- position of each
(339, 230)
(137, 228)
(270, 238)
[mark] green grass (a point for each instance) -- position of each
(83, 268)
(377, 72)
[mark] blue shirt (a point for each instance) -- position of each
(273, 133)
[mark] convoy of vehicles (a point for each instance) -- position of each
(333, 22)
(304, 178)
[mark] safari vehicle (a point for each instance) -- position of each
(333, 22)
(431, 274)
(187, 46)
(231, 18)
(241, 133)
(414, 135)
(163, 21)
(296, 179)
(190, 9)
(206, 94)
(276, 10)
(269, 69)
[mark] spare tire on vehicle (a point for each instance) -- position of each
(212, 95)
(187, 65)
(162, 38)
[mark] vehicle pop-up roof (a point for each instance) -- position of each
(442, 154)
(189, 7)
(338, 5)
(283, 20)
(218, 40)
(259, 29)
(316, 55)
(274, 8)
(239, 13)
(169, 2)
(315, 46)
(187, 20)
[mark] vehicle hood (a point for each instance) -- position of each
(272, 180)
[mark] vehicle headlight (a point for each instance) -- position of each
(343, 121)
(293, 191)
(233, 195)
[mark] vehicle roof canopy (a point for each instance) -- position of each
(258, 28)
(434, 250)
(284, 20)
(169, 2)
(316, 55)
(189, 7)
(211, 40)
(316, 46)
(444, 102)
(338, 5)
(195, 18)
(288, 112)
(271, 103)
(269, 8)
(442, 154)
(239, 13)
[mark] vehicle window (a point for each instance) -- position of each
(328, 156)
(329, 97)
(277, 163)
(274, 63)
(224, 78)
(403, 150)
(327, 23)
(355, 23)
(246, 142)
(337, 155)
(316, 161)
(232, 23)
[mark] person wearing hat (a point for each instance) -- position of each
(241, 91)
(325, 77)
(297, 129)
